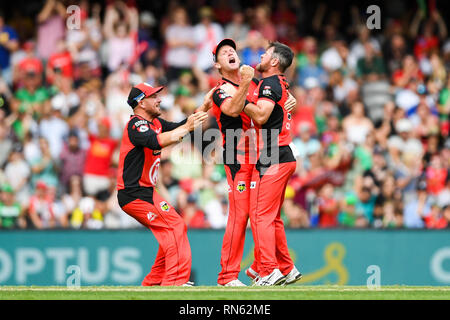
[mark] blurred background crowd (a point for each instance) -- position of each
(371, 124)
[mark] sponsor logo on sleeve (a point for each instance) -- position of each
(151, 216)
(241, 186)
(164, 206)
(267, 91)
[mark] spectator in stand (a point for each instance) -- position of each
(356, 125)
(207, 35)
(349, 215)
(308, 64)
(120, 30)
(33, 97)
(305, 145)
(42, 213)
(54, 128)
(237, 29)
(180, 42)
(43, 168)
(395, 50)
(251, 54)
(358, 48)
(262, 23)
(72, 159)
(17, 174)
(98, 159)
(51, 28)
(418, 208)
(9, 42)
(27, 63)
(60, 62)
(410, 71)
(435, 219)
(427, 41)
(192, 215)
(436, 175)
(403, 142)
(328, 207)
(84, 43)
(370, 67)
(11, 212)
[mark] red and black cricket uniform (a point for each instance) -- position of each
(239, 156)
(140, 154)
(276, 163)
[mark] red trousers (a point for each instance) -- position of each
(266, 199)
(172, 265)
(239, 183)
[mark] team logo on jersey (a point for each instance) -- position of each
(223, 94)
(143, 128)
(151, 216)
(253, 185)
(164, 206)
(288, 126)
(267, 91)
(241, 186)
(153, 173)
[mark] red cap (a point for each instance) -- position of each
(141, 91)
(41, 184)
(222, 43)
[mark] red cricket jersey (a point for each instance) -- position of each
(275, 134)
(140, 152)
(239, 128)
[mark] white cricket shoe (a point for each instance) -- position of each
(188, 284)
(273, 279)
(233, 283)
(292, 277)
(252, 274)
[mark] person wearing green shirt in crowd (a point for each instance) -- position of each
(10, 210)
(370, 67)
(350, 216)
(33, 97)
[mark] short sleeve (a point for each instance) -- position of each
(219, 96)
(270, 89)
(141, 135)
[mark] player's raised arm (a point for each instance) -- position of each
(235, 99)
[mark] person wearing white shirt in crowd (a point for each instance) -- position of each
(207, 35)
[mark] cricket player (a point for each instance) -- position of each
(143, 138)
(276, 163)
(239, 155)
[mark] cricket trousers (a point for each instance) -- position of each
(266, 199)
(173, 261)
(239, 182)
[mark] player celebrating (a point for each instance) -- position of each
(276, 163)
(143, 138)
(239, 152)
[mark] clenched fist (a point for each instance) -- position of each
(247, 73)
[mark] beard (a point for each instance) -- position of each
(260, 67)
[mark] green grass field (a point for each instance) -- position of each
(220, 293)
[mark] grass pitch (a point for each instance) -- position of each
(221, 293)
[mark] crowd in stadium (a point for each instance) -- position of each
(371, 123)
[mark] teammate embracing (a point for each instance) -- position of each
(143, 138)
(276, 163)
(239, 155)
